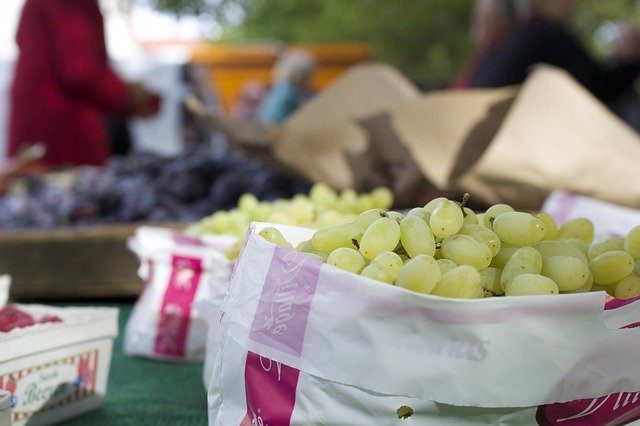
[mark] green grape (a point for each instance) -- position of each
(282, 218)
(274, 236)
(330, 218)
(382, 197)
(627, 288)
(550, 226)
(548, 248)
(632, 243)
(220, 222)
(466, 250)
(567, 272)
(395, 215)
(586, 287)
(248, 202)
(366, 218)
(462, 282)
(348, 200)
(305, 246)
(480, 218)
(596, 249)
(416, 236)
(446, 219)
(323, 196)
(445, 265)
(617, 243)
(301, 210)
(348, 259)
(431, 205)
(490, 281)
(365, 202)
(492, 212)
(524, 260)
(611, 266)
(389, 262)
(530, 285)
(577, 228)
(328, 239)
(483, 234)
(375, 272)
(322, 257)
(234, 251)
(518, 228)
(417, 211)
(381, 235)
(419, 274)
(262, 212)
(609, 289)
(505, 253)
(579, 244)
(470, 217)
(636, 268)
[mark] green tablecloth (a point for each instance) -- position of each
(146, 392)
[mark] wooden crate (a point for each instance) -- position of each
(91, 262)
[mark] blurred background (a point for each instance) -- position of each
(430, 46)
(165, 161)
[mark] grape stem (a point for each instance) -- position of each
(465, 198)
(493, 293)
(355, 242)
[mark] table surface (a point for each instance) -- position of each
(147, 392)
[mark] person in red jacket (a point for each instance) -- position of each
(63, 86)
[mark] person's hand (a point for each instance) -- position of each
(143, 103)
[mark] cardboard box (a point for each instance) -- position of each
(56, 371)
(5, 411)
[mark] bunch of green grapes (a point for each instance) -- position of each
(322, 207)
(446, 249)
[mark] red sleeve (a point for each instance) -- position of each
(81, 66)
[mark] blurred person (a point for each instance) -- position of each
(249, 100)
(63, 87)
(544, 37)
(291, 86)
(627, 43)
(626, 48)
(491, 23)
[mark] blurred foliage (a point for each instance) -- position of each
(423, 38)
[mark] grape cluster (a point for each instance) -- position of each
(448, 250)
(142, 187)
(322, 207)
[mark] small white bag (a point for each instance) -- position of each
(180, 272)
(306, 343)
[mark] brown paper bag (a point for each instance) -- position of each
(557, 136)
(322, 139)
(512, 145)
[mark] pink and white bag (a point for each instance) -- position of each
(183, 275)
(306, 343)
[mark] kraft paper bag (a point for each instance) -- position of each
(557, 136)
(318, 139)
(448, 130)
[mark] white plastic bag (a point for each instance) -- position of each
(180, 271)
(307, 343)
